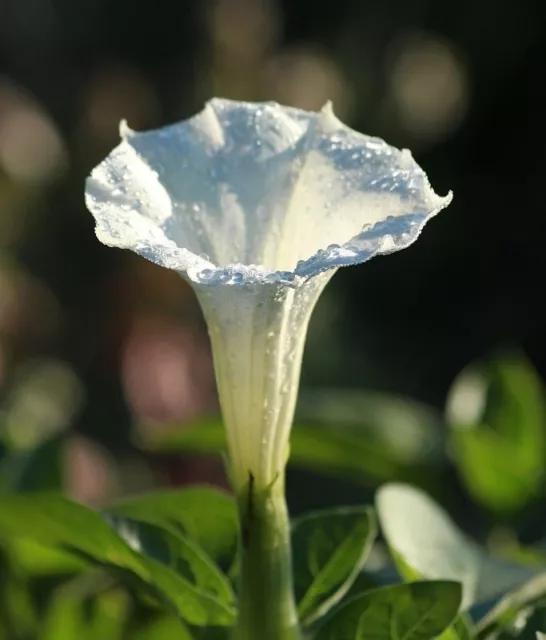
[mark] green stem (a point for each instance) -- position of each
(267, 609)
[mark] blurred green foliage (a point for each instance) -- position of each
(152, 564)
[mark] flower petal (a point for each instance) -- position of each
(242, 185)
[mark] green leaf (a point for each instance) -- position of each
(329, 550)
(505, 612)
(170, 628)
(425, 543)
(206, 515)
(164, 628)
(57, 522)
(70, 615)
(213, 633)
(316, 447)
(403, 429)
(18, 613)
(63, 620)
(109, 615)
(34, 559)
(37, 469)
(459, 630)
(462, 628)
(496, 414)
(417, 611)
(178, 552)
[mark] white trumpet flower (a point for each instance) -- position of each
(257, 205)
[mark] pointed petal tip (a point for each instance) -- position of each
(209, 104)
(208, 123)
(125, 130)
(217, 105)
(327, 120)
(447, 198)
(328, 107)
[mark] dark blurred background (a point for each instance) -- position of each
(94, 340)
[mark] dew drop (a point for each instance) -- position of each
(286, 276)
